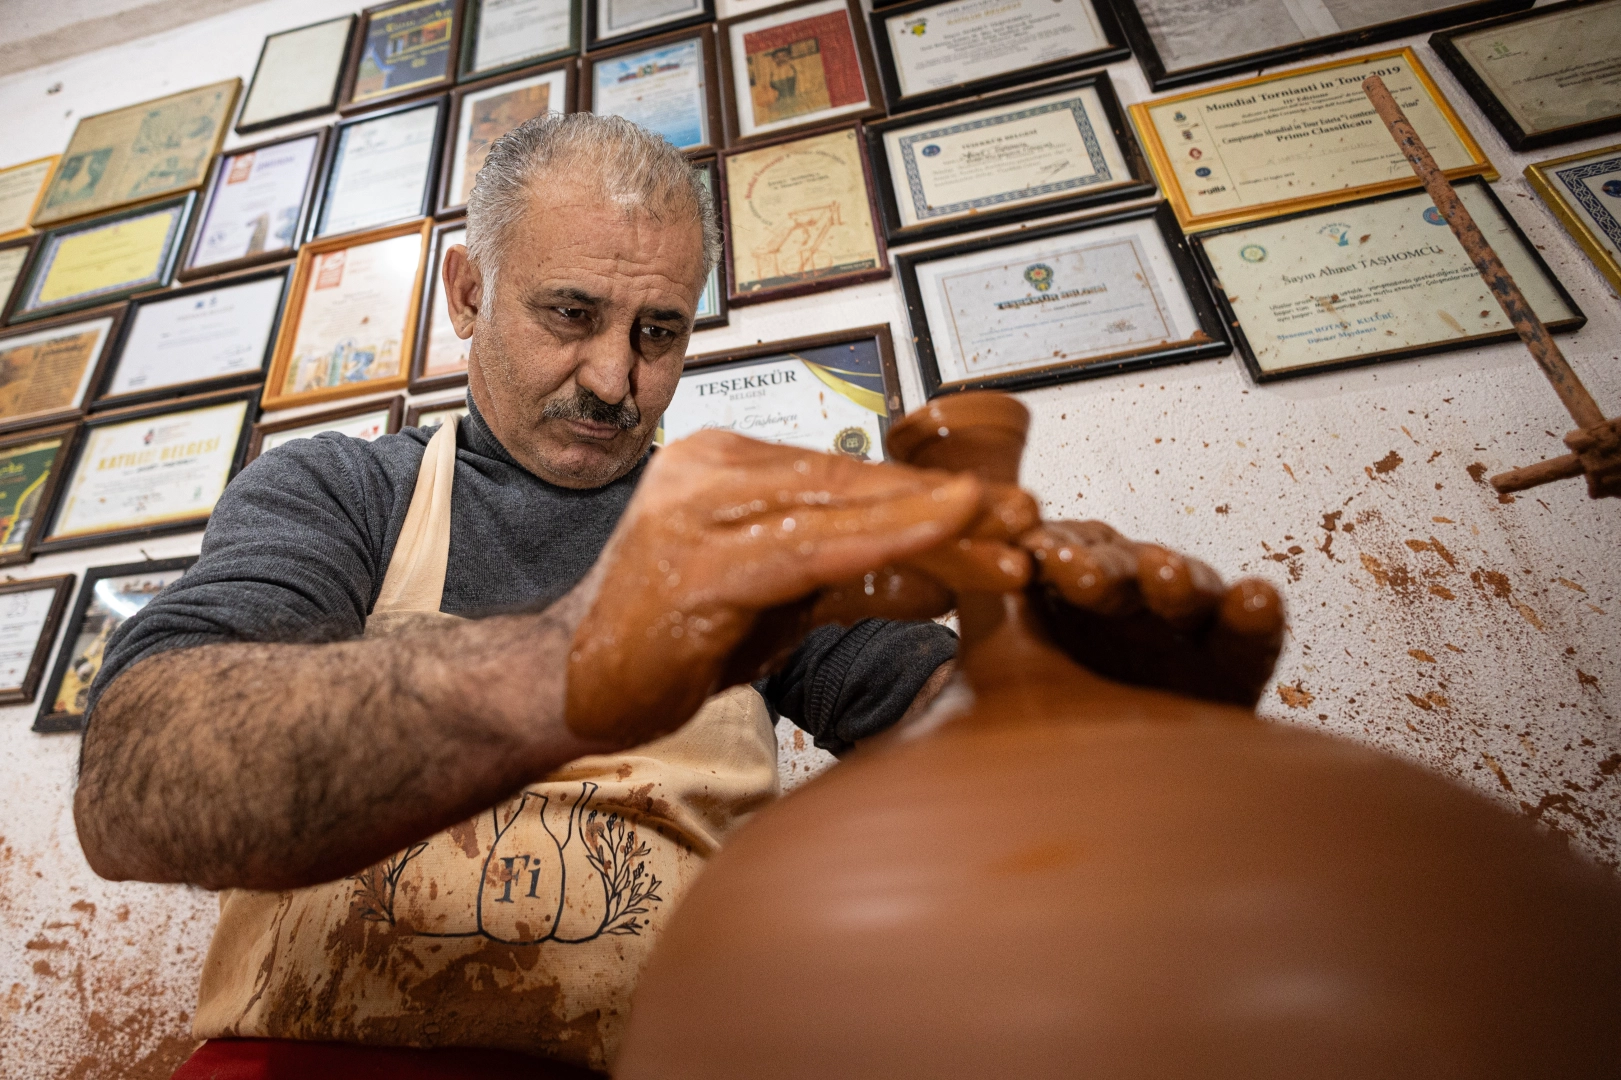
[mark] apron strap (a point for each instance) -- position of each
(416, 574)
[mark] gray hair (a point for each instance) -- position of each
(638, 170)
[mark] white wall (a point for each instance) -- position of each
(1516, 695)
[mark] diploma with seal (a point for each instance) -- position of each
(1584, 193)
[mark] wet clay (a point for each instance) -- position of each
(1059, 874)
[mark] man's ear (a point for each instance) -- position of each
(463, 288)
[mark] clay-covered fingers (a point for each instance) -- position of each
(1247, 637)
(1182, 591)
(902, 593)
(1089, 565)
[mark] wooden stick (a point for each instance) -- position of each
(1543, 472)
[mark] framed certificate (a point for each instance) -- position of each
(103, 259)
(712, 304)
(367, 421)
(47, 370)
(402, 48)
(139, 152)
(669, 85)
(351, 316)
(440, 357)
(1020, 155)
(14, 256)
(187, 341)
(21, 189)
(835, 393)
(297, 75)
(1584, 193)
(255, 206)
(380, 169)
(932, 51)
(109, 595)
(30, 474)
(502, 35)
(1362, 282)
(30, 615)
(798, 65)
(427, 414)
(1060, 302)
(1543, 76)
(485, 111)
(610, 22)
(800, 217)
(1297, 140)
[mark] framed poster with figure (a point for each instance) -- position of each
(380, 168)
(796, 66)
(255, 206)
(48, 369)
(21, 189)
(1584, 193)
(427, 414)
(14, 256)
(104, 259)
(483, 112)
(504, 35)
(612, 22)
(402, 48)
(669, 85)
(109, 596)
(297, 76)
(30, 615)
(368, 420)
(440, 357)
(30, 475)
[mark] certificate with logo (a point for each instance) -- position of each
(1584, 193)
(666, 85)
(366, 422)
(382, 169)
(1058, 303)
(441, 356)
(1374, 280)
(402, 48)
(255, 205)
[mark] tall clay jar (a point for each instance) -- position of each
(1059, 876)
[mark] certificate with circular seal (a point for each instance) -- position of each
(1584, 193)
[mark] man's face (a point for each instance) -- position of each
(580, 355)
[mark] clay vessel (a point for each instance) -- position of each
(1061, 876)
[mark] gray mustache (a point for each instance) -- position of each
(587, 407)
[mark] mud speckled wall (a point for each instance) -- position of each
(1428, 617)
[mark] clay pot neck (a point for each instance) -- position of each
(1006, 656)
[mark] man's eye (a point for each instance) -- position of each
(658, 333)
(570, 312)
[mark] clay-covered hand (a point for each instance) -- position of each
(1145, 615)
(716, 564)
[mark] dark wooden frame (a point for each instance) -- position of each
(357, 50)
(879, 332)
(104, 378)
(453, 120)
(1517, 138)
(472, 10)
(62, 585)
(8, 299)
(889, 75)
(395, 406)
(717, 119)
(722, 317)
(864, 59)
(289, 118)
(431, 285)
(1269, 59)
(171, 258)
(592, 43)
(53, 483)
(878, 273)
(330, 163)
(414, 411)
(185, 271)
(250, 395)
(1124, 136)
(52, 722)
(98, 366)
(1241, 341)
(1193, 283)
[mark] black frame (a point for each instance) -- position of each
(453, 120)
(1241, 341)
(331, 104)
(471, 12)
(1250, 63)
(171, 258)
(717, 119)
(330, 164)
(711, 167)
(1125, 138)
(419, 384)
(1193, 282)
(185, 271)
(395, 407)
(414, 411)
(250, 395)
(98, 366)
(62, 584)
(52, 722)
(1516, 136)
(10, 298)
(102, 400)
(69, 434)
(593, 43)
(357, 50)
(889, 76)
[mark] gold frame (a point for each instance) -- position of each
(39, 196)
(287, 332)
(1160, 160)
(1578, 230)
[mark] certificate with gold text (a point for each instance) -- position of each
(104, 259)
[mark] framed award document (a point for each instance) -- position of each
(30, 614)
(1584, 193)
(712, 304)
(1297, 140)
(503, 35)
(368, 421)
(297, 75)
(794, 66)
(440, 357)
(401, 48)
(1545, 76)
(103, 259)
(1379, 279)
(381, 169)
(206, 337)
(483, 112)
(29, 476)
(13, 260)
(109, 595)
(21, 189)
(427, 414)
(254, 207)
(351, 317)
(46, 371)
(800, 217)
(835, 393)
(1020, 155)
(611, 22)
(1059, 302)
(668, 85)
(932, 51)
(139, 152)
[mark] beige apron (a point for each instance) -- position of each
(524, 928)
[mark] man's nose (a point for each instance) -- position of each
(605, 366)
